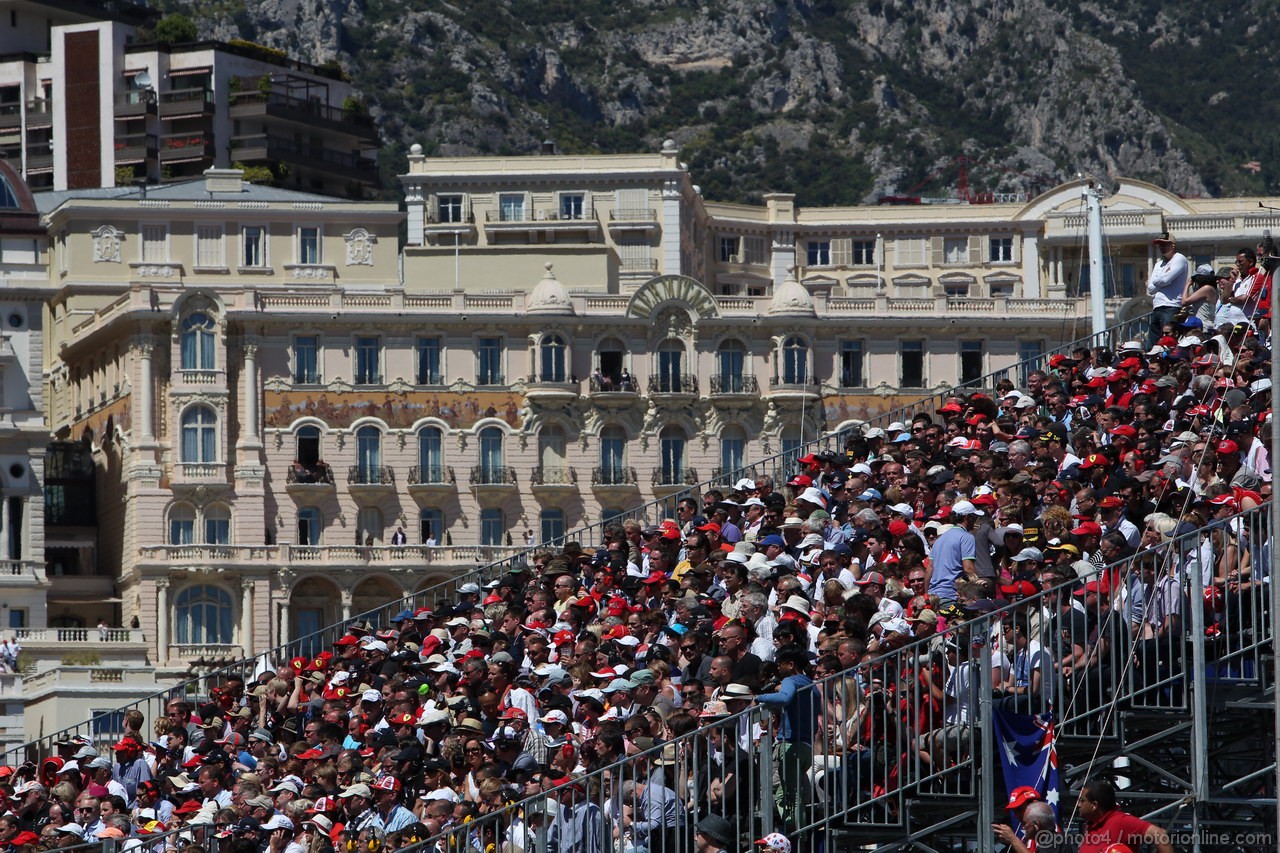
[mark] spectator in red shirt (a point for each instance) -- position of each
(1106, 824)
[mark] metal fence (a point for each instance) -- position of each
(779, 466)
(903, 747)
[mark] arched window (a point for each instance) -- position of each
(552, 359)
(731, 358)
(733, 445)
(611, 357)
(199, 435)
(197, 342)
(493, 527)
(431, 526)
(613, 455)
(672, 441)
(369, 526)
(308, 446)
(670, 366)
(182, 525)
(795, 361)
(491, 457)
(217, 525)
(369, 454)
(430, 455)
(203, 615)
(309, 525)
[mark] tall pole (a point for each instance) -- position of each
(1274, 510)
(1097, 291)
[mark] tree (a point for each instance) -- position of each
(174, 29)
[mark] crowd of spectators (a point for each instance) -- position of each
(580, 657)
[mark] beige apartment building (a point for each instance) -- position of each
(292, 419)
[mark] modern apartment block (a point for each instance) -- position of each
(84, 103)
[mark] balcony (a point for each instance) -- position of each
(135, 104)
(633, 219)
(551, 479)
(40, 157)
(198, 378)
(185, 147)
(308, 479)
(199, 473)
(302, 111)
(612, 482)
(638, 266)
(668, 479)
(186, 103)
(21, 573)
(39, 113)
(534, 219)
(136, 148)
(673, 385)
(794, 389)
(734, 389)
(340, 164)
(205, 654)
(492, 478)
(429, 479)
(612, 388)
(368, 378)
(370, 479)
(10, 116)
(540, 387)
(304, 378)
(450, 222)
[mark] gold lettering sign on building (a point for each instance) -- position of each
(672, 288)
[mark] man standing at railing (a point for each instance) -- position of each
(1165, 286)
(955, 552)
(794, 749)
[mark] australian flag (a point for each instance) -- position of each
(1028, 755)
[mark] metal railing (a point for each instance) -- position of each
(613, 384)
(886, 761)
(553, 475)
(673, 383)
(432, 475)
(667, 476)
(733, 383)
(446, 590)
(309, 475)
(371, 475)
(493, 475)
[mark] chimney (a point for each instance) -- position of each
(224, 180)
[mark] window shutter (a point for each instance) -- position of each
(842, 252)
(975, 249)
(939, 256)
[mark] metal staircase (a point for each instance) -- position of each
(780, 466)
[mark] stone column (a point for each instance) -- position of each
(282, 611)
(246, 616)
(346, 604)
(250, 436)
(1031, 267)
(146, 379)
(162, 620)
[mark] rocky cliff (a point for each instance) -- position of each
(840, 101)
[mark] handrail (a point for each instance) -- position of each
(872, 766)
(447, 589)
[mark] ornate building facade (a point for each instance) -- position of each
(292, 419)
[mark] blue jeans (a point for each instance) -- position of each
(1159, 316)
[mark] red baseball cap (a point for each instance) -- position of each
(1088, 528)
(710, 527)
(1110, 502)
(1019, 797)
(562, 637)
(1227, 446)
(800, 480)
(1125, 430)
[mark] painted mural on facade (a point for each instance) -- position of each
(398, 410)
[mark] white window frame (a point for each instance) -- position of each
(379, 358)
(218, 262)
(812, 247)
(524, 206)
(297, 245)
(854, 245)
(462, 208)
(1013, 250)
(961, 256)
(502, 360)
(586, 204)
(293, 353)
(264, 260)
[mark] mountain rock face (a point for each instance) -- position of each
(839, 101)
